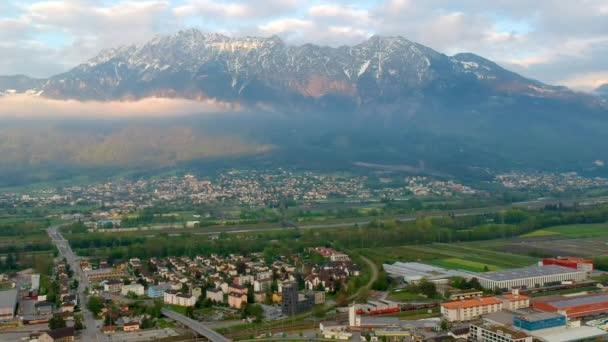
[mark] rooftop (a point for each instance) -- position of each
(8, 298)
(568, 302)
(512, 298)
(471, 303)
(535, 315)
(576, 334)
(526, 272)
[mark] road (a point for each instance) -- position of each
(199, 327)
(91, 331)
(374, 276)
(535, 204)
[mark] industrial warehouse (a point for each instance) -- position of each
(530, 277)
(574, 307)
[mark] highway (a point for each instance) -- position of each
(91, 331)
(199, 327)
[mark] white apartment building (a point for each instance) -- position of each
(179, 299)
(466, 310)
(137, 289)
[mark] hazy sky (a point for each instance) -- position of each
(555, 41)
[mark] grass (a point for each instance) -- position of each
(176, 308)
(466, 265)
(540, 233)
(453, 256)
(580, 230)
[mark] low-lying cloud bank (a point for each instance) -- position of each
(24, 106)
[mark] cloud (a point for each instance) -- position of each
(586, 81)
(27, 106)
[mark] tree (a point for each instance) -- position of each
(78, 325)
(57, 322)
(474, 284)
(190, 311)
(382, 283)
(427, 288)
(95, 305)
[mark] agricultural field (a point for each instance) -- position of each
(451, 256)
(466, 265)
(572, 231)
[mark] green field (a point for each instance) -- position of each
(572, 231)
(462, 256)
(466, 265)
(540, 233)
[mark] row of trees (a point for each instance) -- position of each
(512, 223)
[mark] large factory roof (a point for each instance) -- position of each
(564, 303)
(526, 272)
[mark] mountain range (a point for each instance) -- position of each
(193, 64)
(385, 100)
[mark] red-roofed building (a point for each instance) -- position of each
(465, 310)
(571, 262)
(575, 307)
(514, 301)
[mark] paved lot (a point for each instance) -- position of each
(144, 335)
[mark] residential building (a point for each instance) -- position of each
(514, 301)
(58, 335)
(469, 309)
(262, 285)
(197, 292)
(233, 288)
(158, 291)
(112, 285)
(104, 274)
(215, 295)
(236, 300)
(131, 326)
(173, 297)
(293, 302)
(491, 333)
(135, 288)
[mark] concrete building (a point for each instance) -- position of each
(491, 333)
(131, 326)
(215, 295)
(466, 310)
(137, 289)
(58, 335)
(236, 300)
(104, 274)
(532, 321)
(514, 301)
(233, 288)
(8, 303)
(293, 302)
(529, 277)
(158, 291)
(113, 286)
(571, 262)
(173, 297)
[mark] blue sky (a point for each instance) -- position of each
(558, 42)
